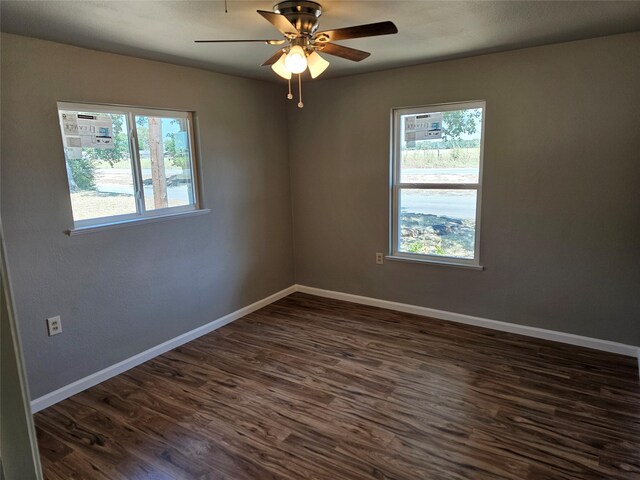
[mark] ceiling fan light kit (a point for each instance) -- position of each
(296, 59)
(316, 64)
(297, 21)
(280, 68)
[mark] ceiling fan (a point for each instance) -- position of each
(297, 21)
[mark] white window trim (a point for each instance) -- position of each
(142, 215)
(395, 186)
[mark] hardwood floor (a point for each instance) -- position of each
(311, 388)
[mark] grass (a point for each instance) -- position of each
(94, 204)
(436, 235)
(450, 158)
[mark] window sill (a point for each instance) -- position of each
(135, 221)
(434, 262)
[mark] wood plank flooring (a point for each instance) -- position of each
(311, 388)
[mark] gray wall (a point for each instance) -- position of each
(560, 235)
(122, 291)
(561, 212)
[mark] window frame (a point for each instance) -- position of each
(396, 186)
(142, 214)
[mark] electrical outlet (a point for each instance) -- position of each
(54, 325)
(379, 258)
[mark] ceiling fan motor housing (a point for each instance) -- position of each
(303, 15)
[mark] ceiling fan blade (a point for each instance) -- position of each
(344, 52)
(359, 31)
(276, 56)
(280, 22)
(268, 42)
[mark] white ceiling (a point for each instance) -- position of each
(428, 30)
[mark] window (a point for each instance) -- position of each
(126, 163)
(436, 183)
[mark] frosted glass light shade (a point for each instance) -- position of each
(296, 60)
(281, 69)
(316, 64)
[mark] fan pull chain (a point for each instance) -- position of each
(225, 7)
(290, 95)
(300, 104)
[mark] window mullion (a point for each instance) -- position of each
(138, 186)
(439, 186)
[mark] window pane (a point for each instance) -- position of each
(165, 159)
(96, 147)
(438, 222)
(441, 147)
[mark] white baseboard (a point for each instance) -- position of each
(105, 374)
(109, 372)
(569, 338)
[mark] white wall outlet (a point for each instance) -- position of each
(379, 258)
(54, 325)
